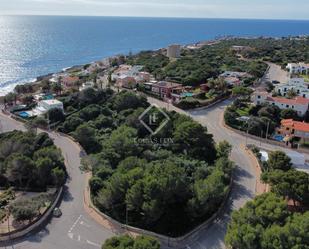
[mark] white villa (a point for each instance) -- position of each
(44, 106)
(297, 84)
(127, 70)
(298, 104)
(298, 68)
(234, 78)
(86, 85)
(50, 104)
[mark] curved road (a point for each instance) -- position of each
(244, 174)
(76, 229)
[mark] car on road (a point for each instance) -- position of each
(57, 212)
(275, 82)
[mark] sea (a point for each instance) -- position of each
(31, 46)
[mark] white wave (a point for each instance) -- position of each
(7, 88)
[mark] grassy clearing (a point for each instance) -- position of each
(243, 111)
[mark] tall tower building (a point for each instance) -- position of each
(173, 51)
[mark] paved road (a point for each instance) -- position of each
(75, 229)
(276, 73)
(64, 232)
(245, 180)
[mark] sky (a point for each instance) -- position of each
(257, 9)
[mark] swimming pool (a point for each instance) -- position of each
(278, 138)
(187, 94)
(24, 114)
(48, 97)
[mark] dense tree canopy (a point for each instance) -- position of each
(55, 115)
(149, 180)
(292, 184)
(127, 242)
(263, 119)
(241, 91)
(266, 223)
(289, 114)
(28, 161)
(279, 160)
(196, 66)
(280, 51)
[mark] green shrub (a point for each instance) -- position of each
(188, 103)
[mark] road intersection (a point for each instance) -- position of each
(76, 228)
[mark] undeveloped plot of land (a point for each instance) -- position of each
(276, 73)
(25, 207)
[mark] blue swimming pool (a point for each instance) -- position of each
(24, 115)
(187, 94)
(278, 137)
(48, 97)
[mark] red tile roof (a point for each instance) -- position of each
(70, 79)
(296, 125)
(295, 101)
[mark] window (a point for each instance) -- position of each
(287, 106)
(259, 96)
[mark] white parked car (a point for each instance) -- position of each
(57, 212)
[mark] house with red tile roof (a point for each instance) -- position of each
(69, 81)
(165, 89)
(292, 128)
(125, 81)
(299, 104)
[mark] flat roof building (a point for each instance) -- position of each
(173, 51)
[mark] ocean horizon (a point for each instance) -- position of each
(31, 46)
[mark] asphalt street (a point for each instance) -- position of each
(244, 174)
(76, 229)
